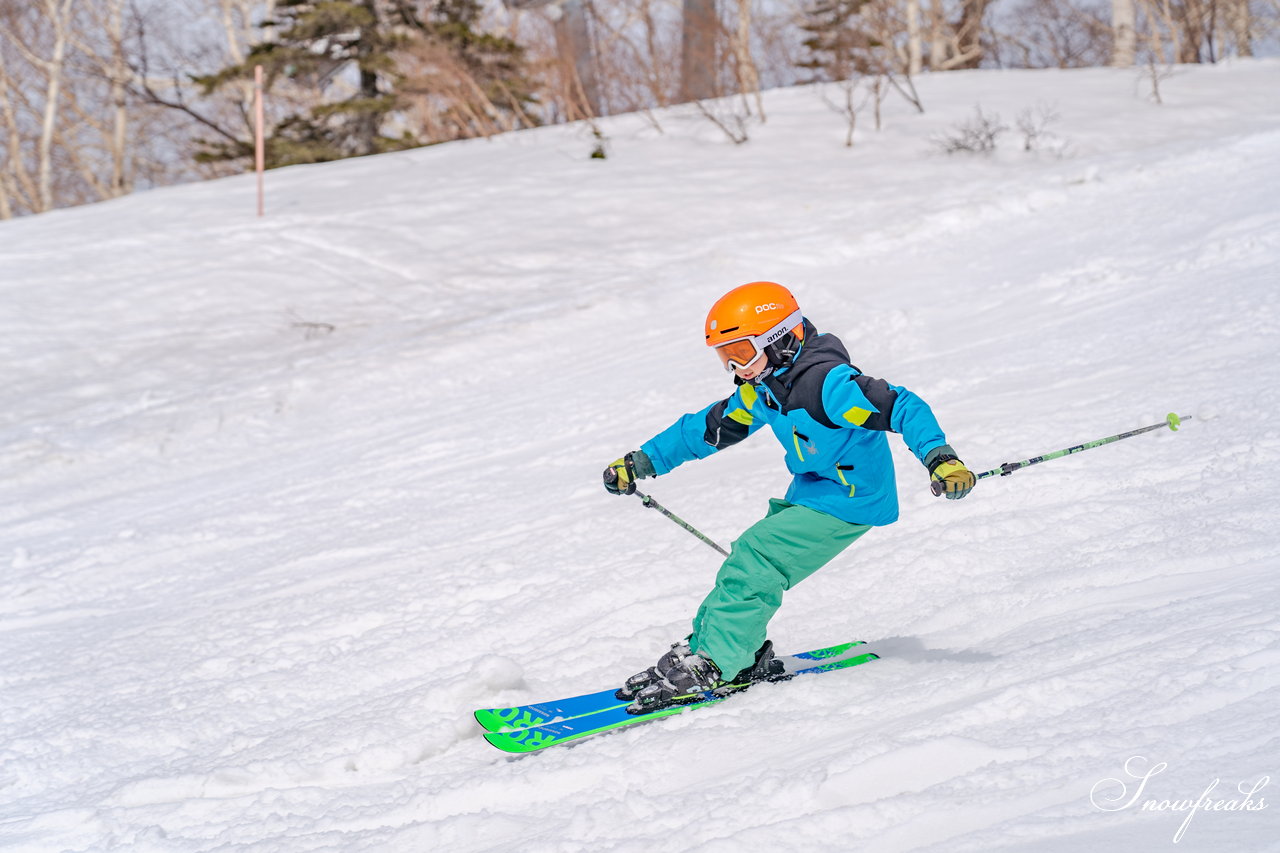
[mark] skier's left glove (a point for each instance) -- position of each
(948, 473)
(621, 475)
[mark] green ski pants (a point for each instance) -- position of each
(773, 555)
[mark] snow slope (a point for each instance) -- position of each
(283, 500)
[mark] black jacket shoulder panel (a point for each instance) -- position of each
(880, 395)
(800, 387)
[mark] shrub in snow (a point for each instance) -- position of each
(976, 135)
(1034, 124)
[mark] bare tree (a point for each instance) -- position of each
(748, 77)
(56, 120)
(969, 50)
(637, 53)
(88, 90)
(956, 44)
(1198, 30)
(43, 44)
(1238, 20)
(847, 105)
(118, 73)
(106, 58)
(576, 66)
(1191, 18)
(1056, 34)
(915, 49)
(165, 71)
(17, 190)
(577, 59)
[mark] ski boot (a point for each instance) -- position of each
(680, 677)
(641, 680)
(687, 680)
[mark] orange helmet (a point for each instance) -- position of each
(747, 321)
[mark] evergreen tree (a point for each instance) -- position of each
(833, 39)
(340, 52)
(342, 59)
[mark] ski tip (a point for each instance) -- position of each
(519, 742)
(502, 742)
(488, 720)
(492, 720)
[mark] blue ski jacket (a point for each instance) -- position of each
(830, 418)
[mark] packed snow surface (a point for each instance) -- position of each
(284, 499)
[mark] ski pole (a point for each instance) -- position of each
(650, 502)
(1172, 421)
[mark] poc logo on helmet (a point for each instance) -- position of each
(768, 306)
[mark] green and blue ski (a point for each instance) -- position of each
(540, 713)
(528, 728)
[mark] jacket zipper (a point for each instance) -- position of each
(840, 469)
(796, 437)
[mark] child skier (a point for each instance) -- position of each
(832, 420)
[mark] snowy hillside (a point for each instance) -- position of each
(282, 501)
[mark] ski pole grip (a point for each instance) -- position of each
(937, 488)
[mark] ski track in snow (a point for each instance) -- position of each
(284, 500)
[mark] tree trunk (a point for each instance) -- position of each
(573, 43)
(969, 33)
(915, 60)
(1238, 21)
(59, 19)
(1124, 33)
(748, 76)
(236, 44)
(1192, 31)
(698, 50)
(121, 184)
(937, 40)
(368, 123)
(13, 173)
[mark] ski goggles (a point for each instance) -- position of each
(740, 352)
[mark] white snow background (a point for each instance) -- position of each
(283, 500)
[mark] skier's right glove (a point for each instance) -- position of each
(621, 475)
(950, 476)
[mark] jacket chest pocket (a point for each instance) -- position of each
(805, 447)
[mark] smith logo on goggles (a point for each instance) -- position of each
(739, 353)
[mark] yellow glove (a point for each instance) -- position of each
(948, 473)
(621, 475)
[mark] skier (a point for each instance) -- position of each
(831, 419)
